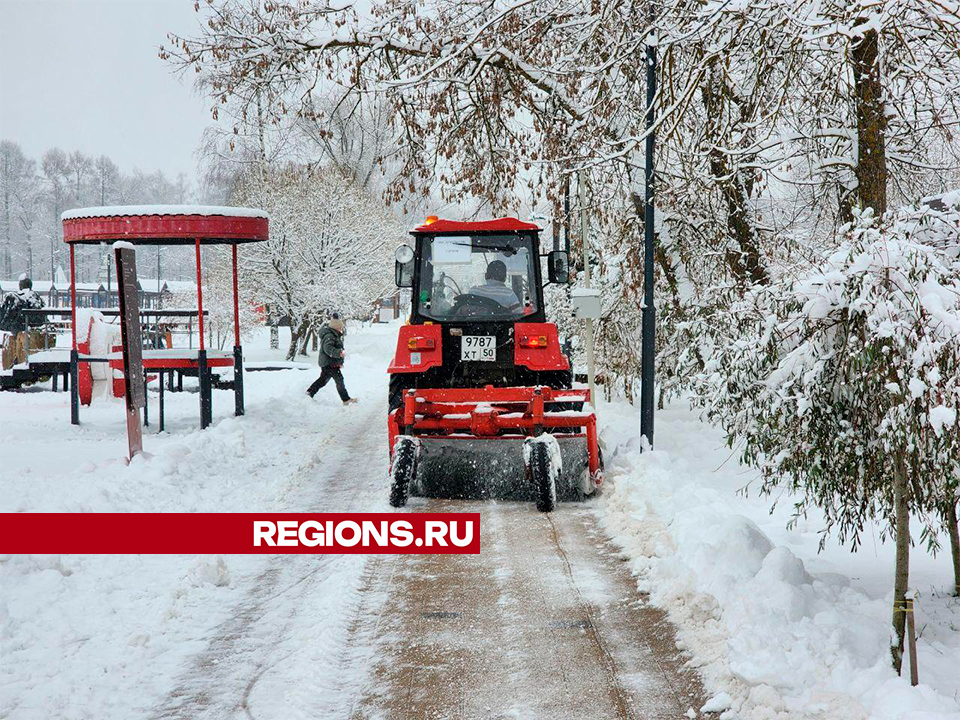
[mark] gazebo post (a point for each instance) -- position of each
(74, 355)
(206, 401)
(237, 350)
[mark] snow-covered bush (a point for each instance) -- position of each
(843, 384)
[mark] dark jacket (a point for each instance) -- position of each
(12, 317)
(331, 344)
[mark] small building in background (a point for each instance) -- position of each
(153, 295)
(387, 308)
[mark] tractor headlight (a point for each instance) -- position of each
(404, 254)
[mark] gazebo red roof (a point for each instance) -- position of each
(507, 224)
(165, 225)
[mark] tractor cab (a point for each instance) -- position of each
(481, 400)
(481, 272)
(477, 315)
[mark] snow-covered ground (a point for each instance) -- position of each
(96, 636)
(776, 629)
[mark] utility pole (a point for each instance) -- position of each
(585, 245)
(648, 328)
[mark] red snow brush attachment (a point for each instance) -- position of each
(467, 442)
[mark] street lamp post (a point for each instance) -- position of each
(648, 328)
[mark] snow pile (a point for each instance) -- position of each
(772, 638)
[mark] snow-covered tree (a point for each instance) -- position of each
(31, 203)
(17, 179)
(771, 120)
(330, 249)
(107, 179)
(843, 384)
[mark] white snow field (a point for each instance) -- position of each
(777, 630)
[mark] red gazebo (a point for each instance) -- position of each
(170, 225)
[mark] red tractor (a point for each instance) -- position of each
(482, 403)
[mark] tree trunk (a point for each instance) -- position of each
(7, 240)
(871, 169)
(902, 577)
(295, 334)
(746, 263)
(950, 521)
(744, 260)
(305, 339)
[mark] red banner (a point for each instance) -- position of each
(239, 533)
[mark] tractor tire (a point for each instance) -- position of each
(542, 476)
(403, 469)
(398, 385)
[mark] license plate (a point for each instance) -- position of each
(478, 347)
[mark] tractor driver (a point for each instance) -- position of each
(496, 288)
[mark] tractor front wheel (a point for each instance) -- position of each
(403, 469)
(543, 476)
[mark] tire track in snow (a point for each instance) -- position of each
(586, 550)
(243, 651)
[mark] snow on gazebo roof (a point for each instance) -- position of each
(140, 210)
(165, 225)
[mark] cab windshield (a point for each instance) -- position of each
(480, 277)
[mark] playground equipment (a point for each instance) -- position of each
(168, 225)
(481, 399)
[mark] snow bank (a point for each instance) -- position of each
(137, 210)
(772, 638)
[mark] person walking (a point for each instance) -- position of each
(331, 358)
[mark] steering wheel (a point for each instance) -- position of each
(468, 305)
(456, 286)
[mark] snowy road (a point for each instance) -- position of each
(545, 623)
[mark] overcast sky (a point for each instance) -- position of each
(84, 74)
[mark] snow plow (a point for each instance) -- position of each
(482, 403)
